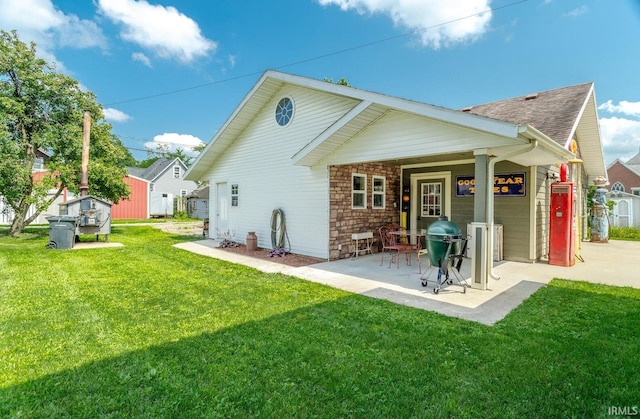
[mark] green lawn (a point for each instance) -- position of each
(148, 330)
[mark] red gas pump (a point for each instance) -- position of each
(562, 224)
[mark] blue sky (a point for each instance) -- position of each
(171, 72)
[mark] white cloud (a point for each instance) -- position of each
(115, 115)
(138, 56)
(39, 21)
(232, 60)
(172, 141)
(163, 30)
(624, 107)
(439, 23)
(578, 11)
(620, 138)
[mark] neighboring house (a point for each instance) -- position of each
(337, 160)
(624, 187)
(164, 181)
(136, 206)
(7, 214)
(198, 202)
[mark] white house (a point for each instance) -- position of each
(166, 182)
(338, 160)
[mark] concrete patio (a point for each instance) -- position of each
(612, 263)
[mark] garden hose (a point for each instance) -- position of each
(278, 229)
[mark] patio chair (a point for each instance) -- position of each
(391, 245)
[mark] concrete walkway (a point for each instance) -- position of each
(613, 263)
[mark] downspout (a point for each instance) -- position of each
(490, 201)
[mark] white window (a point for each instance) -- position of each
(358, 191)
(234, 195)
(378, 192)
(176, 172)
(183, 192)
(635, 191)
(431, 199)
(38, 163)
(619, 187)
(151, 186)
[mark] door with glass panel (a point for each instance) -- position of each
(431, 201)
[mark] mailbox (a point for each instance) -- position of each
(562, 224)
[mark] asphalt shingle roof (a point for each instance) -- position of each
(553, 112)
(152, 171)
(634, 161)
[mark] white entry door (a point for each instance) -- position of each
(221, 222)
(431, 198)
(621, 213)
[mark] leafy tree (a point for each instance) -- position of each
(41, 109)
(146, 162)
(164, 151)
(342, 82)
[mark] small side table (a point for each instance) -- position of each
(361, 243)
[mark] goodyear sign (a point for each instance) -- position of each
(505, 184)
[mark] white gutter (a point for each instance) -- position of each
(490, 200)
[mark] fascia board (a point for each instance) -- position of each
(344, 120)
(547, 143)
(195, 171)
(456, 117)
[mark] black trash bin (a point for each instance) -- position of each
(62, 231)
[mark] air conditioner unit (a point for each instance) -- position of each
(478, 252)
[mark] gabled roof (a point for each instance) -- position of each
(561, 114)
(634, 162)
(82, 198)
(201, 192)
(371, 106)
(553, 112)
(635, 169)
(156, 169)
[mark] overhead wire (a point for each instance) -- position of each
(317, 57)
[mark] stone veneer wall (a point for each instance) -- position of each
(343, 220)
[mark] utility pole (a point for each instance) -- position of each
(84, 181)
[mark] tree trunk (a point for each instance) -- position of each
(17, 226)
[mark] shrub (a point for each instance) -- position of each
(624, 233)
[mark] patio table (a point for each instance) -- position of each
(406, 237)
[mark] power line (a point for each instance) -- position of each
(317, 57)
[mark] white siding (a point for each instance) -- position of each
(7, 214)
(259, 162)
(166, 183)
(400, 135)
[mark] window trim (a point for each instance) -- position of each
(359, 192)
(436, 205)
(382, 193)
(177, 174)
(235, 195)
(284, 112)
(617, 187)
